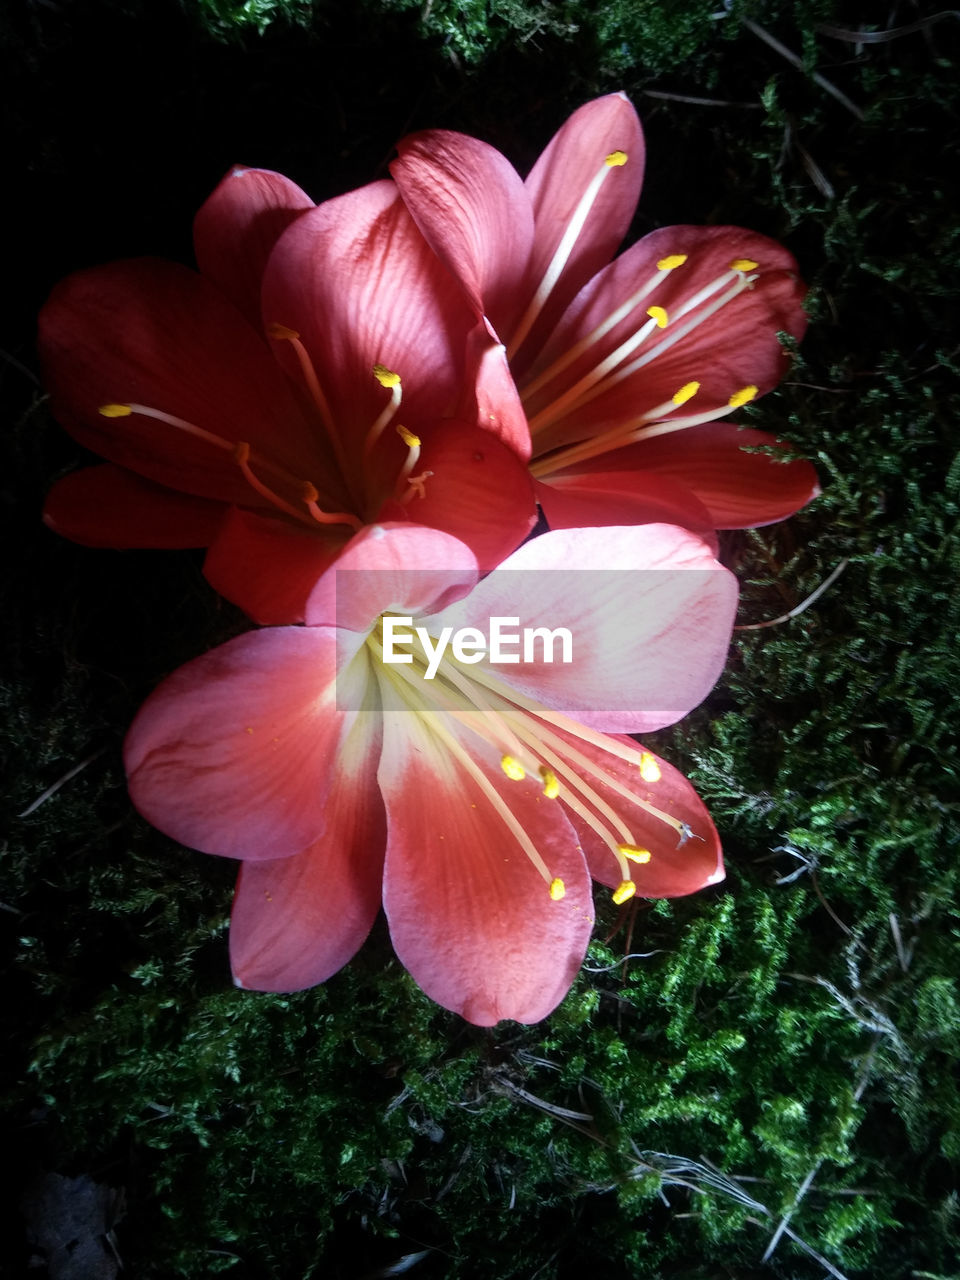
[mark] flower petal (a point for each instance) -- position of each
(236, 228)
(559, 179)
(650, 614)
(357, 281)
(107, 506)
(268, 567)
(470, 916)
(680, 863)
(480, 492)
(391, 567)
(470, 204)
(157, 334)
(297, 920)
(723, 348)
(628, 496)
(489, 396)
(739, 489)
(236, 752)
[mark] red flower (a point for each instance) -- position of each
(273, 441)
(476, 803)
(623, 367)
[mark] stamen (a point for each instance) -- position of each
(284, 334)
(686, 392)
(391, 381)
(558, 889)
(742, 397)
(413, 457)
(181, 424)
(743, 264)
(310, 497)
(664, 267)
(241, 456)
(555, 269)
(658, 315)
(624, 891)
(551, 787)
(513, 768)
(635, 854)
(115, 410)
(649, 769)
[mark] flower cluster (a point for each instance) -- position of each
(357, 409)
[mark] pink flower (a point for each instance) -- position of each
(624, 368)
(477, 803)
(322, 371)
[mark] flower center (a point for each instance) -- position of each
(530, 741)
(553, 425)
(295, 496)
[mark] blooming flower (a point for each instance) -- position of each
(359, 395)
(624, 368)
(476, 802)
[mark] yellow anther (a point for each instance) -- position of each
(649, 769)
(743, 264)
(615, 159)
(115, 410)
(635, 853)
(624, 891)
(686, 392)
(386, 377)
(558, 889)
(282, 331)
(241, 453)
(408, 438)
(512, 767)
(743, 396)
(672, 260)
(551, 787)
(659, 315)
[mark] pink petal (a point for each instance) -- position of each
(237, 227)
(470, 916)
(157, 334)
(297, 920)
(649, 610)
(403, 568)
(237, 751)
(559, 179)
(739, 489)
(733, 348)
(489, 396)
(470, 204)
(677, 865)
(269, 567)
(355, 278)
(106, 506)
(627, 496)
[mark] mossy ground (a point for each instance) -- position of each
(787, 1042)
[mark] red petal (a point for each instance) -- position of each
(559, 179)
(480, 492)
(154, 333)
(650, 614)
(629, 496)
(489, 395)
(355, 278)
(739, 489)
(470, 204)
(734, 348)
(296, 921)
(106, 506)
(677, 866)
(269, 567)
(470, 916)
(237, 227)
(236, 752)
